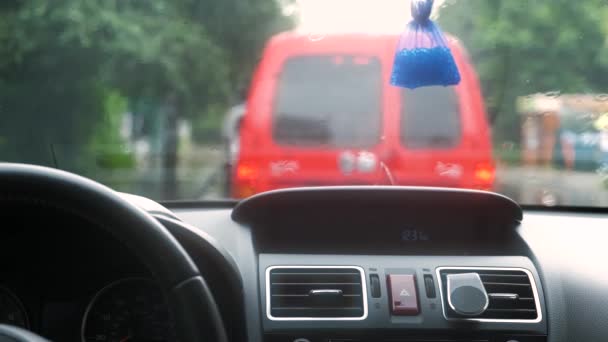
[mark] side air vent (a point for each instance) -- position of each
(511, 294)
(315, 293)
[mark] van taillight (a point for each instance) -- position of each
(246, 176)
(246, 172)
(484, 175)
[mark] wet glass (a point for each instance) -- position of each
(208, 99)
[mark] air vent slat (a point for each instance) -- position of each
(502, 278)
(315, 293)
(510, 293)
(304, 289)
(315, 308)
(512, 304)
(289, 295)
(315, 284)
(435, 340)
(488, 283)
(511, 310)
(307, 301)
(314, 277)
(314, 273)
(316, 313)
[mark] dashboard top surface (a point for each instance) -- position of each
(385, 203)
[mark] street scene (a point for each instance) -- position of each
(168, 102)
(304, 170)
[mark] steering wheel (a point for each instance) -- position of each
(194, 311)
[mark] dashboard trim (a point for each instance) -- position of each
(363, 289)
(495, 320)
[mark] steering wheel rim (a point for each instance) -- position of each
(193, 308)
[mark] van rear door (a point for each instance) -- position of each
(327, 120)
(431, 151)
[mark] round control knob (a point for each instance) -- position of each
(466, 294)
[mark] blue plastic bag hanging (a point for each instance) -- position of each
(423, 57)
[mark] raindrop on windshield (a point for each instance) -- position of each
(315, 37)
(548, 199)
(291, 9)
(601, 97)
(602, 170)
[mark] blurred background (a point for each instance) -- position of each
(144, 96)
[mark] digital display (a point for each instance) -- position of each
(414, 235)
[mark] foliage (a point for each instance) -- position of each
(508, 154)
(524, 47)
(62, 61)
(206, 128)
(241, 27)
(107, 145)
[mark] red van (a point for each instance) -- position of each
(323, 112)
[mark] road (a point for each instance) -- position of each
(201, 176)
(546, 186)
(526, 185)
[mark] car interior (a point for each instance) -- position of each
(354, 263)
(304, 171)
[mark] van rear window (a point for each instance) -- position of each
(328, 101)
(430, 118)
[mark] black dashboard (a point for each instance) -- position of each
(346, 264)
(408, 263)
(67, 280)
(53, 287)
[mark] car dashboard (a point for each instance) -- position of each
(326, 264)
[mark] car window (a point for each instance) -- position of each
(328, 101)
(430, 118)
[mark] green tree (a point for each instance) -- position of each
(522, 47)
(58, 59)
(241, 27)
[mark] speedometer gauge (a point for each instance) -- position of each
(12, 311)
(128, 310)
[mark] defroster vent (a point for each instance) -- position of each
(316, 293)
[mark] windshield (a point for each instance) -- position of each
(213, 99)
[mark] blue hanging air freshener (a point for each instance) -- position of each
(423, 57)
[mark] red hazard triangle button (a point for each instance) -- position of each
(403, 294)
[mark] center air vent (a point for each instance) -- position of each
(316, 293)
(511, 294)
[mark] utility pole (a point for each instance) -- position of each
(170, 149)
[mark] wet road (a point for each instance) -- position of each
(545, 186)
